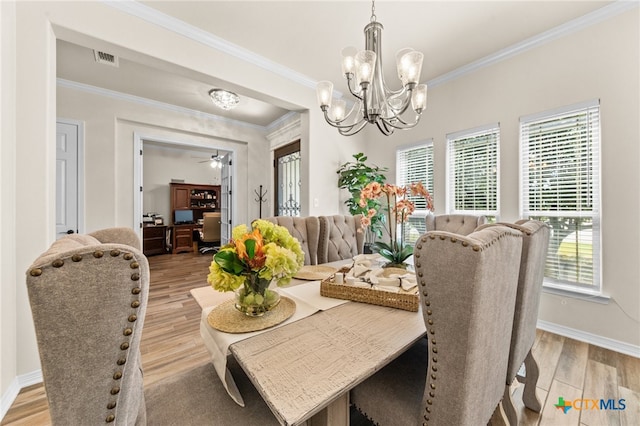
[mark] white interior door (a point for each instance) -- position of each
(67, 178)
(226, 216)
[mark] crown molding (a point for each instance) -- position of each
(154, 104)
(560, 31)
(175, 25)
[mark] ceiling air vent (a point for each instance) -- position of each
(105, 58)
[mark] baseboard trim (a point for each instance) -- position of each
(593, 339)
(14, 389)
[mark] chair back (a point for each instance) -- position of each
(211, 230)
(535, 244)
(467, 294)
(306, 230)
(88, 297)
(461, 224)
(341, 237)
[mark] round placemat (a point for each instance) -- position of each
(314, 272)
(225, 317)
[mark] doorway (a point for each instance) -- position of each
(69, 177)
(161, 195)
(287, 180)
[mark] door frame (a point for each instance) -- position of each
(80, 173)
(138, 142)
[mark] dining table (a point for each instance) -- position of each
(305, 367)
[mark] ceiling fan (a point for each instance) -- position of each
(214, 157)
(215, 160)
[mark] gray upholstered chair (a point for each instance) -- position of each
(88, 296)
(534, 255)
(467, 296)
(306, 230)
(341, 237)
(461, 224)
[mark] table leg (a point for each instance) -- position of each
(336, 413)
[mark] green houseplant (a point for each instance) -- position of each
(354, 176)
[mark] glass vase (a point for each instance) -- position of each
(254, 298)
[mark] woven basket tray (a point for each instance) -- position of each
(405, 301)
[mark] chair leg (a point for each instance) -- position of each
(498, 418)
(508, 407)
(529, 395)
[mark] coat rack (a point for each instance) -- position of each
(261, 199)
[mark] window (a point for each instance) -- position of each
(415, 164)
(473, 172)
(560, 175)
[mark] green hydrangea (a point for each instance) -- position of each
(221, 280)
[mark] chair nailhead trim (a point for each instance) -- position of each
(115, 253)
(127, 331)
(121, 361)
(115, 390)
(134, 265)
(57, 263)
(136, 290)
(135, 304)
(111, 405)
(35, 272)
(124, 346)
(135, 276)
(76, 257)
(110, 418)
(117, 375)
(132, 318)
(98, 254)
(127, 256)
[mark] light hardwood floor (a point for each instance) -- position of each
(171, 344)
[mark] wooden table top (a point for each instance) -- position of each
(304, 366)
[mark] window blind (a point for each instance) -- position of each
(560, 175)
(473, 172)
(415, 164)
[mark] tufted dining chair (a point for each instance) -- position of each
(341, 237)
(88, 297)
(462, 224)
(467, 296)
(535, 245)
(306, 230)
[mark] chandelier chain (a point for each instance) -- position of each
(373, 11)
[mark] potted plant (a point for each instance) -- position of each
(354, 176)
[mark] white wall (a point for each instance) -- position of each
(8, 354)
(599, 62)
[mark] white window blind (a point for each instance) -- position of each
(415, 164)
(560, 175)
(473, 172)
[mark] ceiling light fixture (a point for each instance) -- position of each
(224, 99)
(376, 103)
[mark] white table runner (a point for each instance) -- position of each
(308, 301)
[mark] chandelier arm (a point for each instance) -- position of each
(338, 125)
(351, 90)
(352, 132)
(382, 126)
(404, 124)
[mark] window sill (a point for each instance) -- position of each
(589, 296)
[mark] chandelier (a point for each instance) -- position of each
(224, 99)
(376, 103)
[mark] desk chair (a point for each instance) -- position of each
(210, 234)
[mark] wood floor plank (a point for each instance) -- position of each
(628, 372)
(630, 416)
(551, 415)
(600, 383)
(528, 417)
(572, 363)
(547, 352)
